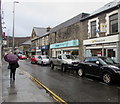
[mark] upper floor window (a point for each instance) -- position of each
(113, 19)
(93, 29)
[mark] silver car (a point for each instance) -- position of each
(43, 60)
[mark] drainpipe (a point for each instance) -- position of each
(118, 46)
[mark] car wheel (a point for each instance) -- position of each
(52, 66)
(107, 78)
(80, 72)
(31, 62)
(63, 68)
(38, 63)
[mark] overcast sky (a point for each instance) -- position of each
(44, 13)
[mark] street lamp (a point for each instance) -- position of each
(14, 24)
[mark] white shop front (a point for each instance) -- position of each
(102, 46)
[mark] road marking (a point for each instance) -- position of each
(53, 95)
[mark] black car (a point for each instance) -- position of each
(102, 67)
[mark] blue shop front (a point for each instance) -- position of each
(43, 50)
(68, 47)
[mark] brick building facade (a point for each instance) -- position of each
(68, 37)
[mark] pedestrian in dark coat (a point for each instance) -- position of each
(12, 67)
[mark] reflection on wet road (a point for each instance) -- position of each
(72, 88)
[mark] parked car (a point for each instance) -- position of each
(102, 67)
(34, 59)
(19, 55)
(43, 60)
(65, 61)
(22, 57)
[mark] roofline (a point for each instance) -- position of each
(113, 8)
(81, 14)
(41, 36)
(39, 27)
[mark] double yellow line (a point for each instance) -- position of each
(53, 95)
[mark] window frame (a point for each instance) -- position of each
(93, 25)
(110, 21)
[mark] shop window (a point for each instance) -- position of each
(113, 23)
(75, 53)
(93, 29)
(72, 52)
(58, 52)
(111, 53)
(96, 52)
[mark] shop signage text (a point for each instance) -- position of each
(65, 44)
(101, 40)
(44, 47)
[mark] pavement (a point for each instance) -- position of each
(22, 89)
(0, 82)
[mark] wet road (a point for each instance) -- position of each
(71, 87)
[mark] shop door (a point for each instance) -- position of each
(111, 52)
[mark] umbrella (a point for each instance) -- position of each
(11, 58)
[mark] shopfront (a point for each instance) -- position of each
(42, 50)
(103, 46)
(45, 50)
(68, 47)
(33, 51)
(38, 51)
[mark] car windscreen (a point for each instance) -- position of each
(36, 56)
(108, 60)
(45, 57)
(68, 57)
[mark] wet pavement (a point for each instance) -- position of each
(22, 89)
(72, 88)
(0, 83)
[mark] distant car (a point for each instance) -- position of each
(22, 57)
(34, 59)
(102, 67)
(19, 55)
(43, 60)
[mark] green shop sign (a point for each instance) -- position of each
(65, 44)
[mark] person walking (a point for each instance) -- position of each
(12, 59)
(12, 67)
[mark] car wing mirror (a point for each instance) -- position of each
(97, 62)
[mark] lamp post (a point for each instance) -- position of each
(14, 24)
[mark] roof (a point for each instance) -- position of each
(27, 42)
(69, 22)
(106, 7)
(18, 40)
(40, 31)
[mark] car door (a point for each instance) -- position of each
(59, 60)
(87, 65)
(39, 59)
(32, 58)
(94, 67)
